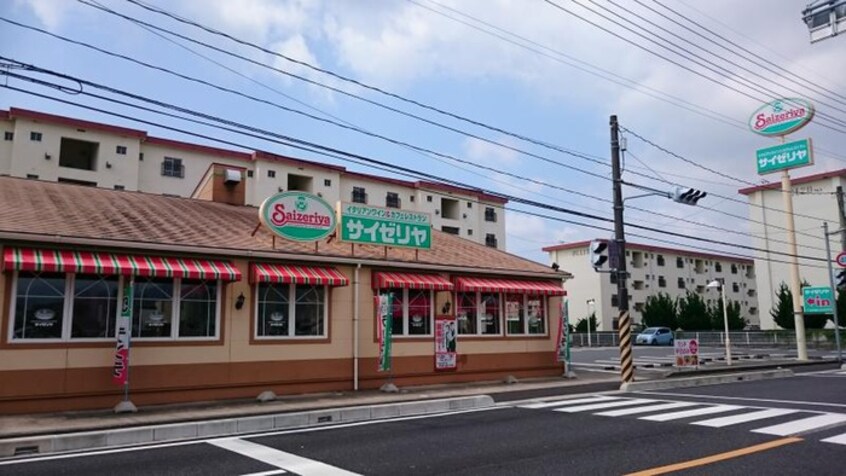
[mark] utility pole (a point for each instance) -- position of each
(624, 320)
(833, 288)
(841, 215)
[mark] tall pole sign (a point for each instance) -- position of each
(777, 119)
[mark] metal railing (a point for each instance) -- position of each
(819, 339)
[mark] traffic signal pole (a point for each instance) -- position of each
(833, 290)
(624, 323)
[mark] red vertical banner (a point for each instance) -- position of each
(446, 341)
(123, 330)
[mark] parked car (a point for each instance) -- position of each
(655, 336)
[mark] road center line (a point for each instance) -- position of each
(280, 459)
(717, 457)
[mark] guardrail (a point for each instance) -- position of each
(816, 338)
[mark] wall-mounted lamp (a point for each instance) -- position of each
(446, 307)
(239, 301)
(555, 266)
(47, 157)
(108, 165)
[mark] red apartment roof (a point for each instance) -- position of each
(4, 114)
(794, 181)
(77, 123)
(203, 149)
(657, 249)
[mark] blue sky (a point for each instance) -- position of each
(406, 48)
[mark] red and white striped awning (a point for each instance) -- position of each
(491, 285)
(411, 281)
(280, 273)
(64, 261)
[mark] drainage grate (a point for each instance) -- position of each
(26, 450)
(324, 419)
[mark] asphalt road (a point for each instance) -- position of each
(762, 427)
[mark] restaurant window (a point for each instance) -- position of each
(411, 311)
(95, 306)
(39, 306)
(170, 308)
(479, 313)
(525, 314)
(288, 310)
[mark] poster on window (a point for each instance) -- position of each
(384, 322)
(446, 331)
(123, 328)
(563, 332)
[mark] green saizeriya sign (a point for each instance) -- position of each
(785, 156)
(298, 216)
(385, 226)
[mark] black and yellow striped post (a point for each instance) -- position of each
(626, 359)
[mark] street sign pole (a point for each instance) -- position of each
(833, 292)
(795, 282)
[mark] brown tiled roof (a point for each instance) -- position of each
(42, 211)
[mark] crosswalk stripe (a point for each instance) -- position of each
(692, 413)
(839, 439)
(280, 459)
(805, 424)
(575, 401)
(744, 417)
(647, 409)
(600, 406)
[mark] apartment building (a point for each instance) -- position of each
(652, 269)
(814, 201)
(54, 148)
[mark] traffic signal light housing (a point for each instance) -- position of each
(840, 279)
(598, 253)
(688, 196)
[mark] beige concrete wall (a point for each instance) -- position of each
(6, 146)
(264, 186)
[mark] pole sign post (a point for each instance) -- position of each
(120, 370)
(791, 155)
(781, 117)
(384, 309)
(366, 225)
(841, 259)
(446, 333)
(817, 300)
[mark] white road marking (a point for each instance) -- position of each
(572, 401)
(280, 459)
(600, 406)
(272, 472)
(647, 409)
(744, 418)
(748, 399)
(839, 439)
(692, 413)
(799, 426)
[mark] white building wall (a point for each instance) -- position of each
(264, 186)
(813, 199)
(6, 126)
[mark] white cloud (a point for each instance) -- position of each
(50, 13)
(479, 150)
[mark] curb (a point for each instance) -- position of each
(141, 435)
(684, 382)
(751, 367)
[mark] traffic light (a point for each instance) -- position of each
(598, 253)
(688, 196)
(840, 279)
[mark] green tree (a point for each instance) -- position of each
(735, 321)
(660, 311)
(693, 313)
(582, 324)
(782, 312)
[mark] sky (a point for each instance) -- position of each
(525, 68)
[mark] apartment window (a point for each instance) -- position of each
(612, 277)
(490, 240)
(452, 230)
(119, 187)
(660, 260)
(392, 200)
(735, 287)
(469, 204)
(359, 195)
(327, 182)
(615, 301)
(8, 135)
(300, 183)
(174, 308)
(412, 311)
(32, 176)
(681, 283)
(249, 174)
(141, 156)
(478, 313)
(271, 174)
(718, 267)
(449, 208)
(411, 198)
(734, 269)
(172, 167)
(469, 232)
(662, 282)
(35, 136)
(524, 314)
(78, 154)
(428, 198)
(291, 311)
(679, 263)
(490, 214)
(120, 150)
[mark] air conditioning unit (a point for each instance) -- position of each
(231, 176)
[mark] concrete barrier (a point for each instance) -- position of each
(195, 430)
(710, 379)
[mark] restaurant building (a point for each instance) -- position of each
(224, 309)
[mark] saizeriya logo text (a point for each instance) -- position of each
(298, 216)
